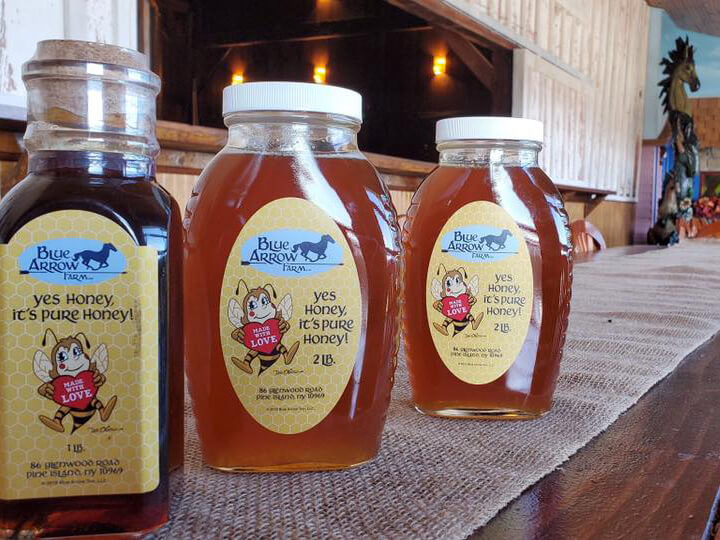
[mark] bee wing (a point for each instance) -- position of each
(474, 286)
(100, 358)
(42, 366)
(235, 313)
(436, 289)
(285, 307)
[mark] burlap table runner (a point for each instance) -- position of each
(445, 478)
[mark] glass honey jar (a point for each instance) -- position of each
(291, 285)
(89, 253)
(487, 274)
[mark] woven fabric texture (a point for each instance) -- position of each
(438, 478)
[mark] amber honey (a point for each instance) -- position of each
(344, 207)
(504, 173)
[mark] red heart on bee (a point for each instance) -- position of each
(263, 337)
(74, 392)
(456, 307)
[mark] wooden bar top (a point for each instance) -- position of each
(654, 473)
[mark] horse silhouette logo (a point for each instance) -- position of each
(496, 239)
(318, 248)
(101, 256)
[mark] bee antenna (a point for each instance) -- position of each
(87, 342)
(272, 288)
(443, 267)
(237, 289)
(45, 336)
(463, 271)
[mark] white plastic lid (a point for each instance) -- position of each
(292, 96)
(488, 128)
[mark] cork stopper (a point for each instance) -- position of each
(88, 51)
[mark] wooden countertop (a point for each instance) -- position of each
(653, 474)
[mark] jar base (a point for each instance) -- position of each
(41, 532)
(480, 414)
(292, 467)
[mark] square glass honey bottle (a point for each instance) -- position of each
(90, 340)
(291, 285)
(487, 274)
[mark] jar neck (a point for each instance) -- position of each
(84, 106)
(98, 164)
(484, 153)
(292, 133)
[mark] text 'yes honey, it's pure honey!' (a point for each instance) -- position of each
(487, 275)
(291, 252)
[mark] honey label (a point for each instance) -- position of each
(79, 404)
(290, 315)
(479, 292)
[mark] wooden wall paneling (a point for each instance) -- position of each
(493, 9)
(598, 37)
(615, 219)
(631, 117)
(401, 200)
(571, 122)
(638, 94)
(617, 97)
(606, 59)
(544, 92)
(569, 28)
(179, 185)
(542, 19)
(598, 117)
(546, 114)
(515, 7)
(628, 113)
(529, 19)
(640, 97)
(584, 43)
(556, 34)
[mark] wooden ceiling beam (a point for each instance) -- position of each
(322, 30)
(441, 14)
(473, 58)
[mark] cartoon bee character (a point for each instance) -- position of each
(260, 326)
(454, 299)
(72, 380)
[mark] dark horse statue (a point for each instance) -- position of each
(99, 257)
(676, 202)
(318, 248)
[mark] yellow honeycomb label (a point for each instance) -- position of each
(79, 407)
(479, 292)
(290, 315)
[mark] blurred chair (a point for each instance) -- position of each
(586, 237)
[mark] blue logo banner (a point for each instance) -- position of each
(72, 261)
(292, 252)
(479, 243)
